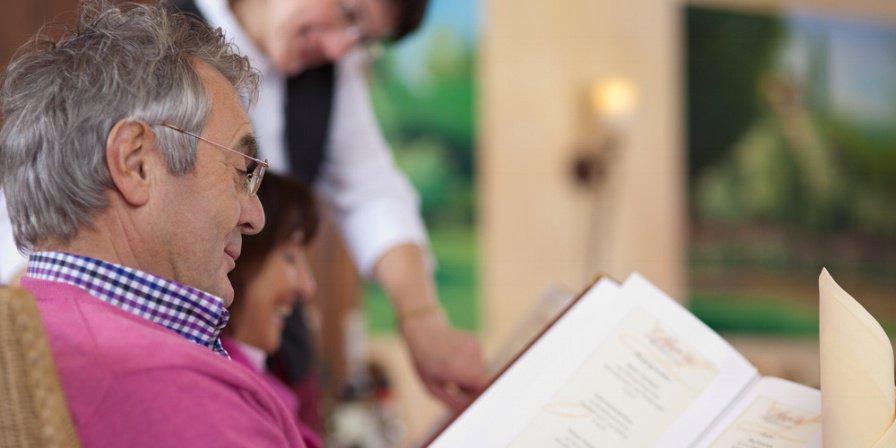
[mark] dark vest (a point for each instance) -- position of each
(309, 105)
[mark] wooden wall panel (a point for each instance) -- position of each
(21, 19)
(539, 61)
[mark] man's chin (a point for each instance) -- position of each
(222, 289)
(226, 294)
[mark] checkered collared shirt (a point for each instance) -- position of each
(197, 316)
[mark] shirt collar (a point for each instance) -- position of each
(254, 355)
(219, 15)
(193, 314)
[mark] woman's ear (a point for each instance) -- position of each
(130, 160)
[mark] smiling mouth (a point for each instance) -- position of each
(283, 312)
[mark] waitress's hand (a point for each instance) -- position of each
(448, 361)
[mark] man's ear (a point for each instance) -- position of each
(129, 157)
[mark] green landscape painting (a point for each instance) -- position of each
(791, 125)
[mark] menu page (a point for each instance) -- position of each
(627, 393)
(626, 366)
(503, 410)
(774, 413)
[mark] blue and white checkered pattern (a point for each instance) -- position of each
(197, 316)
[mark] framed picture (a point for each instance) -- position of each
(791, 149)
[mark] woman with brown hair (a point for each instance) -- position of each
(271, 278)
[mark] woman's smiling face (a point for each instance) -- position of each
(284, 279)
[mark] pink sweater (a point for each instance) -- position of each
(130, 382)
(287, 397)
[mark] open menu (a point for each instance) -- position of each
(627, 366)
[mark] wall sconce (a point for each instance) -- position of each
(613, 102)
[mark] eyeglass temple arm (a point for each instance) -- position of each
(171, 126)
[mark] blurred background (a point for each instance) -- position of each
(725, 149)
(424, 92)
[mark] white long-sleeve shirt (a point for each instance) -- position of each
(374, 204)
(371, 200)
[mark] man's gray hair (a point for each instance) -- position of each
(61, 98)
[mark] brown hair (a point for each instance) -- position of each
(409, 15)
(289, 210)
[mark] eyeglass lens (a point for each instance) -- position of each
(253, 181)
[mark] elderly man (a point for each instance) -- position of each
(127, 159)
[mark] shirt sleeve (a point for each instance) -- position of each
(374, 205)
(11, 261)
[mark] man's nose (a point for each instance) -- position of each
(251, 216)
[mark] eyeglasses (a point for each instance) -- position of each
(351, 18)
(254, 171)
(353, 25)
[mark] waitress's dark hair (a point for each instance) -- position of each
(409, 15)
(289, 211)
